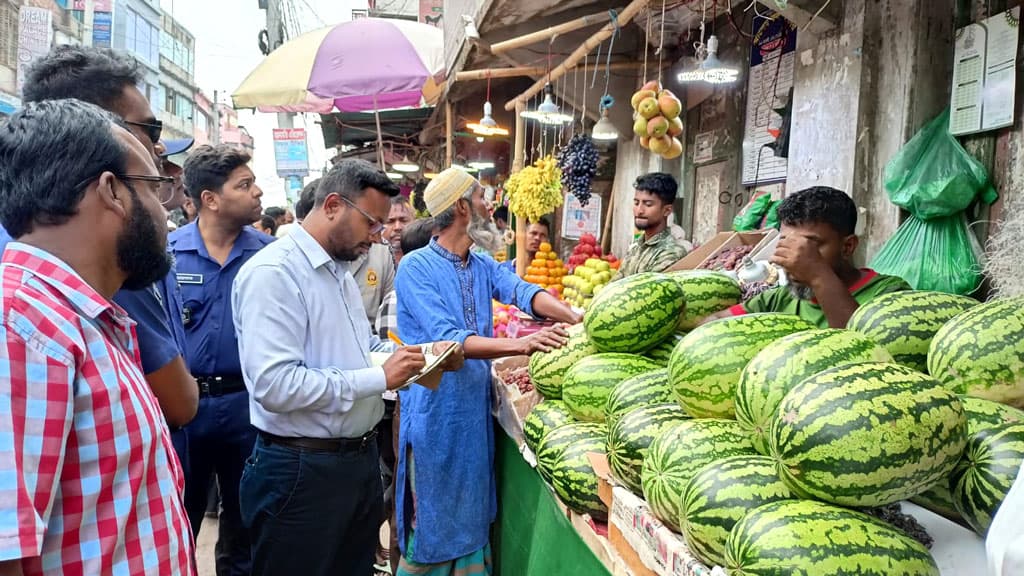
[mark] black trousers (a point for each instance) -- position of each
(312, 513)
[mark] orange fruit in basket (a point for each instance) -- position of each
(545, 247)
(552, 256)
(550, 264)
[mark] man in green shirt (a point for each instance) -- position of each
(816, 249)
(652, 206)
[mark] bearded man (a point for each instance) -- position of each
(446, 497)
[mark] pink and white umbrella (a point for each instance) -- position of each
(362, 65)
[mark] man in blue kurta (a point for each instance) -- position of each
(446, 442)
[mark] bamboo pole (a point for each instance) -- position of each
(547, 33)
(624, 18)
(449, 152)
(516, 71)
(606, 232)
(518, 159)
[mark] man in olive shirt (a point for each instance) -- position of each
(816, 250)
(657, 250)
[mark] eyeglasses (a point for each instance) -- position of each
(153, 129)
(376, 226)
(164, 192)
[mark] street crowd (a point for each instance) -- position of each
(138, 366)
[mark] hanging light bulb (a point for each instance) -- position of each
(604, 129)
(405, 165)
(481, 164)
(548, 112)
(715, 71)
(394, 175)
(487, 126)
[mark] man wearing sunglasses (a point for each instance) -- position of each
(108, 79)
(209, 252)
(90, 481)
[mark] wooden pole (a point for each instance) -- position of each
(516, 71)
(624, 18)
(449, 152)
(606, 232)
(534, 37)
(518, 160)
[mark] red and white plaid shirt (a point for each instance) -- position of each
(89, 481)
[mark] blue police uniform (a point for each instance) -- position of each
(220, 437)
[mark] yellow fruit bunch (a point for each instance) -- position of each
(535, 190)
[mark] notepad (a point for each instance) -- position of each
(430, 376)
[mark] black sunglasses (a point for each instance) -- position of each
(153, 129)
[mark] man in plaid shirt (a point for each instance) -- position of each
(88, 479)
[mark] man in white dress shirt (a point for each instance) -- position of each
(311, 491)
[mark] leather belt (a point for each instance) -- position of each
(323, 444)
(219, 385)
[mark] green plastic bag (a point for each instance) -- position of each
(940, 254)
(936, 180)
(933, 176)
(750, 217)
(771, 219)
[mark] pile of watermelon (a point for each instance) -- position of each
(759, 437)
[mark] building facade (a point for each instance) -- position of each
(175, 104)
(136, 30)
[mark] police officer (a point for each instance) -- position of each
(209, 252)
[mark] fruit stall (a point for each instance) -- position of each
(759, 444)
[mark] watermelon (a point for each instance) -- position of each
(631, 435)
(706, 293)
(905, 322)
(643, 390)
(719, 495)
(678, 453)
(808, 538)
(574, 479)
(981, 480)
(547, 369)
(981, 352)
(550, 450)
(706, 364)
(590, 381)
(635, 313)
(867, 434)
(983, 414)
(661, 353)
(544, 418)
(783, 364)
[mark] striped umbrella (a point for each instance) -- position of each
(357, 66)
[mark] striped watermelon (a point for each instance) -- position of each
(783, 364)
(574, 479)
(808, 538)
(981, 352)
(706, 364)
(550, 450)
(631, 435)
(547, 369)
(719, 495)
(643, 390)
(678, 453)
(661, 353)
(981, 480)
(634, 313)
(590, 381)
(905, 322)
(981, 415)
(544, 418)
(706, 293)
(867, 434)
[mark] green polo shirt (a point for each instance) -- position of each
(781, 301)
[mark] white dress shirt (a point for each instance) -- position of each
(304, 343)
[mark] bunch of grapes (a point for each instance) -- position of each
(578, 161)
(520, 378)
(535, 190)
